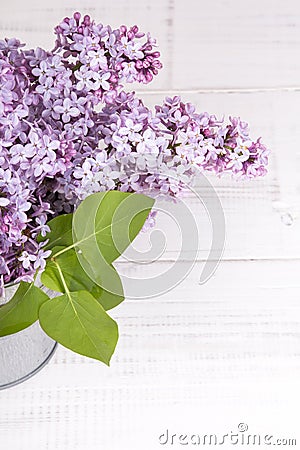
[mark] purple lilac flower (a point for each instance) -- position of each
(69, 129)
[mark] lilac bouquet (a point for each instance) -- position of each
(69, 131)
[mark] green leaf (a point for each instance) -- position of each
(22, 310)
(103, 226)
(60, 232)
(77, 321)
(76, 279)
(114, 218)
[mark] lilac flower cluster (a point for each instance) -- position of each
(160, 153)
(68, 129)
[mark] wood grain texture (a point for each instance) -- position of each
(224, 44)
(199, 357)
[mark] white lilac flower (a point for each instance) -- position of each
(34, 143)
(67, 110)
(84, 171)
(4, 201)
(85, 79)
(147, 142)
(120, 143)
(6, 179)
(40, 259)
(97, 58)
(131, 129)
(55, 63)
(134, 51)
(101, 80)
(44, 71)
(239, 155)
(129, 71)
(48, 147)
(44, 167)
(20, 153)
(110, 44)
(87, 43)
(106, 177)
(47, 90)
(178, 118)
(42, 227)
(26, 259)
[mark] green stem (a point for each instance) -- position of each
(62, 278)
(65, 287)
(35, 275)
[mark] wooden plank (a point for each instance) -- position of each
(236, 44)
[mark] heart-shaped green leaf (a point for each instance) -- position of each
(111, 219)
(76, 279)
(78, 321)
(22, 310)
(103, 226)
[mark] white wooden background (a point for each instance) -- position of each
(201, 357)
